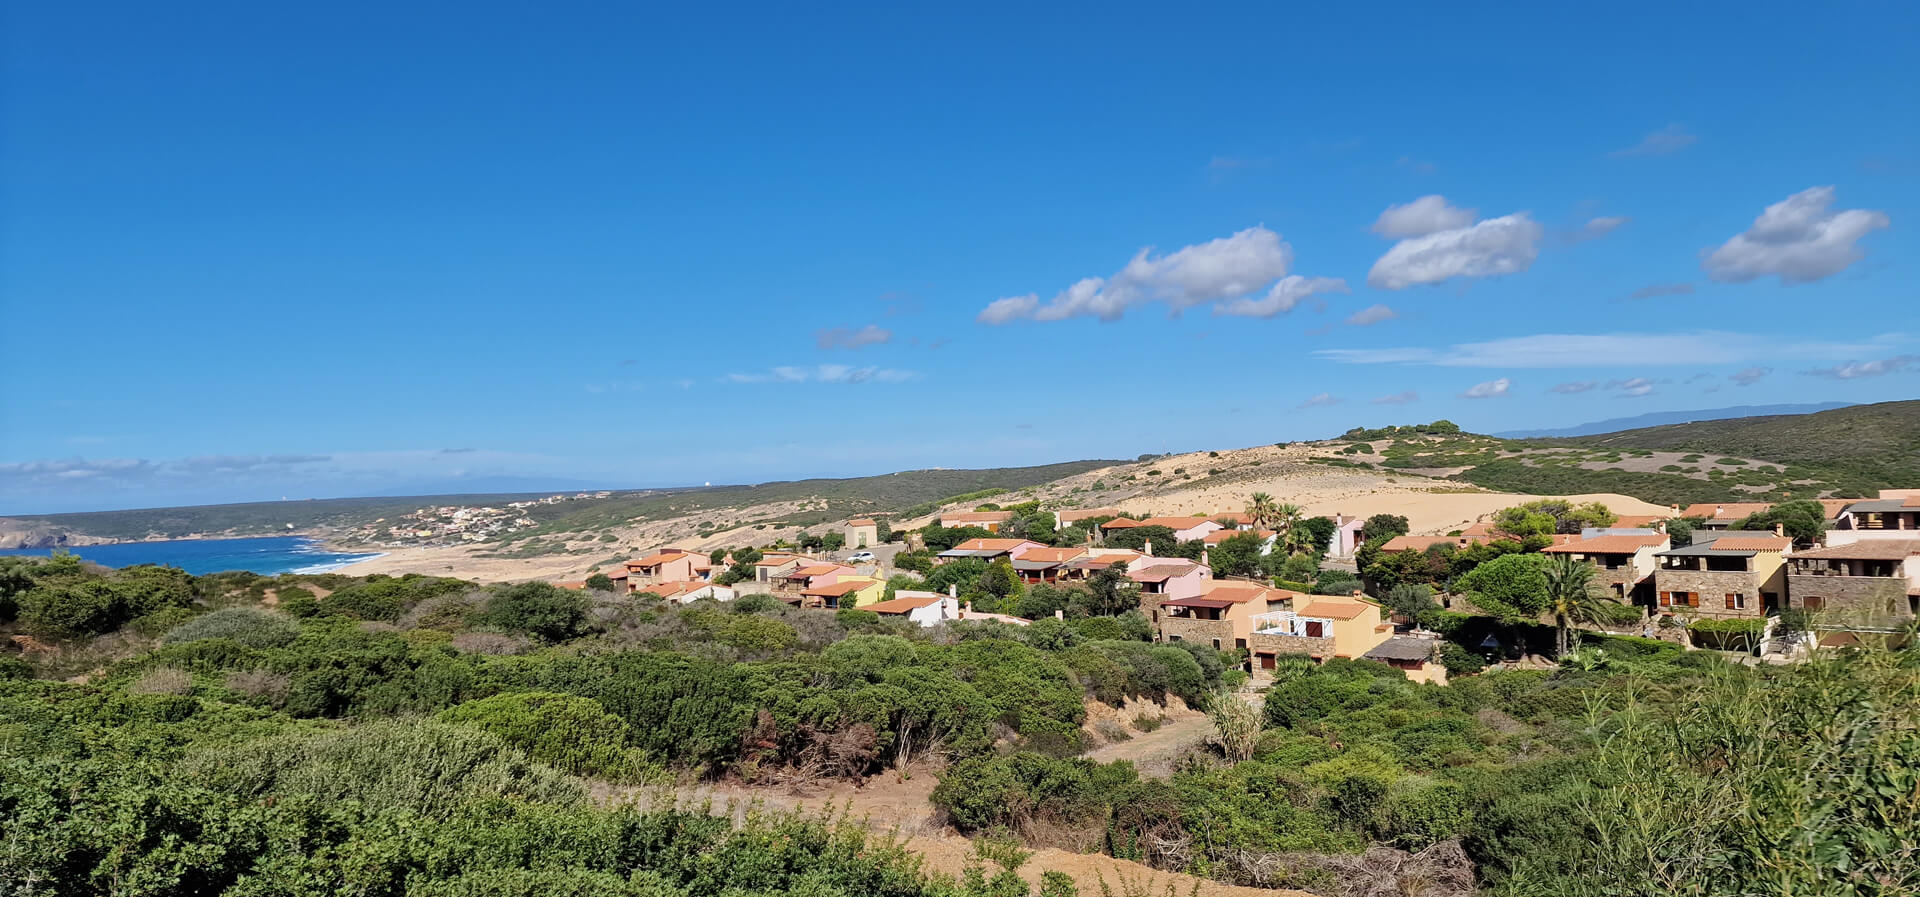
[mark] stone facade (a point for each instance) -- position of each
(1190, 630)
(1290, 644)
(1713, 586)
(1852, 599)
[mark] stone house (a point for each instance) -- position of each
(1624, 564)
(1872, 585)
(1730, 573)
(1319, 626)
(1221, 614)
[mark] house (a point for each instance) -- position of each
(686, 592)
(619, 577)
(1120, 523)
(1233, 520)
(1267, 537)
(812, 574)
(1100, 559)
(1319, 626)
(1078, 514)
(1869, 585)
(1346, 536)
(1623, 563)
(1723, 515)
(988, 550)
(1895, 516)
(862, 532)
(775, 564)
(991, 521)
(1220, 614)
(1046, 564)
(1656, 522)
(665, 565)
(1185, 529)
(1162, 579)
(1730, 573)
(1415, 656)
(1422, 543)
(928, 609)
(850, 592)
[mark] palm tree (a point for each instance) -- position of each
(1572, 598)
(1262, 509)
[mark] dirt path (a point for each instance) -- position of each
(903, 809)
(1155, 753)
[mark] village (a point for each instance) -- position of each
(1760, 580)
(455, 524)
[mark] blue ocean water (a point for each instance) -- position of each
(266, 556)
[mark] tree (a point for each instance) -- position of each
(1286, 517)
(1110, 592)
(1164, 542)
(1318, 531)
(1000, 581)
(882, 531)
(539, 609)
(1383, 526)
(1572, 598)
(833, 541)
(1512, 587)
(1680, 530)
(1551, 515)
(1263, 510)
(600, 582)
(1236, 555)
(716, 556)
(1804, 521)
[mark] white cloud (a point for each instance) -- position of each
(1748, 376)
(1797, 239)
(825, 373)
(1423, 216)
(1561, 350)
(1492, 389)
(1661, 289)
(1322, 400)
(1227, 270)
(1496, 246)
(1577, 386)
(849, 338)
(1668, 140)
(1854, 370)
(1398, 398)
(1632, 388)
(1371, 315)
(1289, 292)
(1596, 228)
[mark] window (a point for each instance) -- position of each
(1736, 601)
(1813, 602)
(1313, 629)
(1216, 644)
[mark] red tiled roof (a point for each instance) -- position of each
(1238, 592)
(1084, 513)
(836, 589)
(813, 570)
(1913, 501)
(1637, 521)
(1215, 603)
(899, 605)
(1221, 535)
(1161, 572)
(1053, 555)
(1753, 543)
(861, 521)
(993, 544)
(1176, 523)
(1607, 545)
(1121, 523)
(1865, 550)
(1336, 610)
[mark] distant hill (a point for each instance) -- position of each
(1864, 446)
(1661, 418)
(826, 499)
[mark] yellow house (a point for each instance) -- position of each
(1327, 626)
(848, 591)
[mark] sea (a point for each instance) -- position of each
(267, 555)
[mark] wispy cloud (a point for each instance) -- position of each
(1398, 398)
(1575, 387)
(1562, 350)
(1632, 388)
(1322, 400)
(1854, 370)
(1492, 389)
(1653, 290)
(1371, 315)
(1749, 376)
(1666, 141)
(1798, 239)
(851, 338)
(1230, 273)
(1595, 228)
(824, 373)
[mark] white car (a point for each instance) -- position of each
(861, 557)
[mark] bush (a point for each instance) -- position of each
(1459, 661)
(567, 732)
(542, 610)
(249, 626)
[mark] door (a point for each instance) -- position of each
(1266, 661)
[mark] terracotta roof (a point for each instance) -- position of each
(861, 521)
(1607, 545)
(1221, 535)
(1235, 516)
(1913, 501)
(1084, 513)
(1725, 510)
(899, 605)
(1637, 521)
(1422, 543)
(1753, 543)
(616, 573)
(1103, 561)
(978, 516)
(1215, 603)
(1176, 523)
(1161, 572)
(1834, 506)
(836, 589)
(1865, 550)
(1121, 523)
(775, 560)
(1238, 592)
(1053, 555)
(656, 560)
(992, 544)
(814, 570)
(1481, 528)
(1336, 609)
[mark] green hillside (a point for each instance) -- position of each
(1862, 447)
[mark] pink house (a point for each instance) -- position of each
(668, 565)
(1166, 579)
(1185, 529)
(989, 550)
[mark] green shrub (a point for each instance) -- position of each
(248, 626)
(570, 733)
(539, 609)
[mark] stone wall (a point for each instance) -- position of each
(1866, 599)
(1713, 587)
(1289, 644)
(1202, 631)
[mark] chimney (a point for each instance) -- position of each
(1148, 548)
(1205, 554)
(1059, 614)
(1779, 529)
(966, 609)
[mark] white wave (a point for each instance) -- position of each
(337, 563)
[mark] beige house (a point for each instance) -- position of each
(1733, 573)
(664, 566)
(1623, 564)
(862, 532)
(1220, 613)
(1321, 627)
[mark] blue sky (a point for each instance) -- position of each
(254, 251)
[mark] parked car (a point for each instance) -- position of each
(861, 557)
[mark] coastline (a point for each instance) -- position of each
(462, 562)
